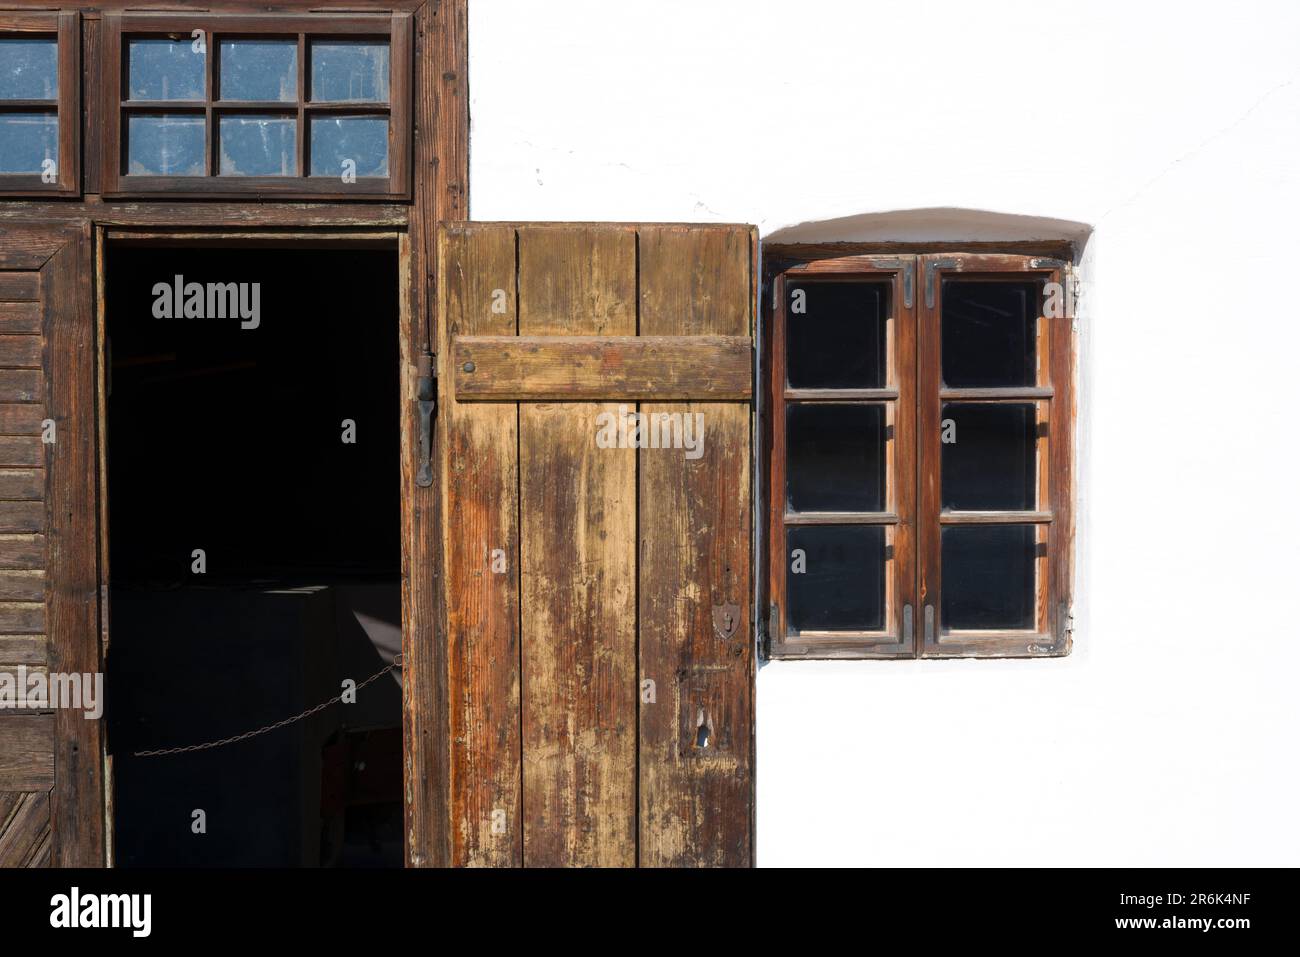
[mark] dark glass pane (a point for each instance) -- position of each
(167, 145)
(258, 145)
(988, 576)
(164, 70)
(837, 341)
(29, 68)
(265, 70)
(349, 71)
(835, 457)
(988, 455)
(343, 144)
(29, 143)
(989, 333)
(842, 585)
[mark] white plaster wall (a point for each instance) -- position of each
(1171, 129)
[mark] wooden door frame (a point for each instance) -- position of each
(338, 237)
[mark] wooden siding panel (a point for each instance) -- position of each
(481, 476)
(578, 516)
(25, 829)
(26, 752)
(695, 737)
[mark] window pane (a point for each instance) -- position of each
(27, 141)
(165, 70)
(29, 68)
(349, 71)
(339, 140)
(265, 70)
(842, 585)
(835, 457)
(167, 145)
(835, 335)
(987, 576)
(258, 145)
(989, 333)
(988, 458)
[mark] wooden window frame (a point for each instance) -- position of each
(898, 398)
(919, 586)
(120, 28)
(66, 26)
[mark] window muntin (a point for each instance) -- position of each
(314, 105)
(977, 398)
(40, 119)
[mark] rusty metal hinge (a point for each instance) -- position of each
(427, 395)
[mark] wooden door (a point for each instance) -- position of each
(51, 759)
(597, 587)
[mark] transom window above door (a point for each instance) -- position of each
(920, 475)
(39, 105)
(314, 106)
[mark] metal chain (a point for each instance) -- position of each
(162, 752)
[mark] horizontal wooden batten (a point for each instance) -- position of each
(20, 317)
(23, 649)
(841, 518)
(22, 617)
(22, 551)
(23, 352)
(840, 395)
(606, 368)
(22, 585)
(21, 451)
(26, 752)
(20, 287)
(994, 518)
(1014, 392)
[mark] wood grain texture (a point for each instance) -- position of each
(20, 287)
(440, 107)
(578, 517)
(22, 551)
(25, 829)
(20, 317)
(630, 368)
(480, 473)
(26, 751)
(77, 801)
(696, 793)
(23, 650)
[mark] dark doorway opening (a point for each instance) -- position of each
(255, 552)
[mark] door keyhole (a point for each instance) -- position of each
(703, 731)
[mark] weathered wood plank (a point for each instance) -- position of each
(20, 286)
(441, 167)
(77, 802)
(21, 450)
(22, 586)
(628, 368)
(21, 385)
(21, 418)
(22, 516)
(22, 485)
(20, 317)
(23, 650)
(482, 568)
(22, 618)
(22, 551)
(26, 751)
(25, 829)
(20, 352)
(578, 517)
(696, 735)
